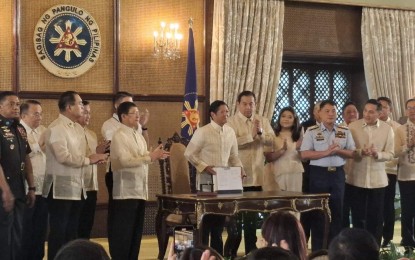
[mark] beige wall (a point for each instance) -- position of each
(34, 77)
(139, 71)
(6, 44)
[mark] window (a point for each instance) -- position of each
(301, 85)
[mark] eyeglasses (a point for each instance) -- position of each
(137, 113)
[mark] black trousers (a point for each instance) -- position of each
(213, 226)
(246, 221)
(407, 189)
(389, 208)
(127, 229)
(86, 220)
(346, 206)
(35, 226)
(367, 209)
(63, 222)
(324, 181)
(109, 183)
(11, 230)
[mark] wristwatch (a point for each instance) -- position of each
(32, 189)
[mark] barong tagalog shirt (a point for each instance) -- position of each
(251, 150)
(37, 156)
(129, 162)
(369, 172)
(110, 126)
(108, 129)
(90, 171)
(392, 165)
(65, 158)
(212, 145)
(405, 154)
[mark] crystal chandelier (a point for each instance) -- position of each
(167, 42)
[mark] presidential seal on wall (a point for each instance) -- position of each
(67, 41)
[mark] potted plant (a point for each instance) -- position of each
(394, 253)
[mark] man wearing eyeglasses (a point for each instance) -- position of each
(109, 127)
(129, 160)
(36, 218)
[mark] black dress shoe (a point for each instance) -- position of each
(385, 243)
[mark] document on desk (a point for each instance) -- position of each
(227, 180)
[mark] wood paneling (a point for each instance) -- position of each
(318, 30)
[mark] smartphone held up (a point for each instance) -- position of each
(183, 238)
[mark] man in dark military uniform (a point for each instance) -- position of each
(15, 167)
(327, 146)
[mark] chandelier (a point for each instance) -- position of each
(167, 42)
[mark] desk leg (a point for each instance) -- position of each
(327, 220)
(326, 230)
(199, 231)
(161, 231)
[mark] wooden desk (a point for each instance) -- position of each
(229, 205)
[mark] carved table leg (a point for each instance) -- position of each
(161, 231)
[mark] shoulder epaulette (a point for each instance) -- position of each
(314, 127)
(343, 127)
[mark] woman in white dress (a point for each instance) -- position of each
(283, 169)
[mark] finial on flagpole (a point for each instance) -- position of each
(190, 22)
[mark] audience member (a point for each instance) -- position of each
(327, 146)
(367, 180)
(391, 172)
(252, 133)
(15, 166)
(284, 169)
(36, 218)
(82, 249)
(129, 160)
(271, 253)
(322, 254)
(354, 244)
(212, 145)
(199, 252)
(282, 229)
(89, 174)
(65, 157)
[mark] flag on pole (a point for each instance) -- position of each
(190, 114)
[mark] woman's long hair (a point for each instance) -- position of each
(283, 225)
(295, 129)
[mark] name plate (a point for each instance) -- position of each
(227, 180)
